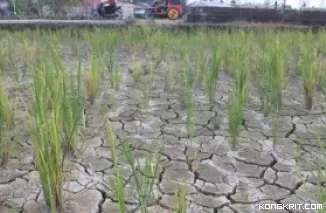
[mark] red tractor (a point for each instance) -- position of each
(172, 9)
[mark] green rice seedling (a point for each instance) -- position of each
(170, 76)
(145, 92)
(275, 126)
(242, 76)
(74, 47)
(118, 186)
(119, 190)
(310, 67)
(98, 42)
(3, 58)
(111, 136)
(212, 76)
(277, 73)
(190, 114)
(187, 75)
(136, 70)
(52, 70)
(31, 54)
(189, 80)
(235, 116)
(6, 110)
(54, 129)
(116, 77)
(145, 178)
(201, 67)
(260, 76)
(72, 108)
(181, 202)
(6, 120)
(92, 79)
(297, 160)
(158, 44)
(48, 148)
(111, 46)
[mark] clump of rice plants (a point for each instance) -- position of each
(6, 122)
(3, 58)
(190, 114)
(212, 75)
(115, 77)
(92, 79)
(188, 76)
(47, 145)
(277, 72)
(145, 94)
(235, 116)
(310, 67)
(143, 175)
(54, 129)
(118, 186)
(170, 76)
(110, 50)
(159, 46)
(136, 70)
(238, 98)
(260, 78)
(72, 108)
(181, 202)
(268, 75)
(145, 178)
(201, 67)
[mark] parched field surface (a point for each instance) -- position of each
(147, 106)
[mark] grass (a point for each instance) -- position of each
(59, 90)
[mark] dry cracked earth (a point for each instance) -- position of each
(217, 178)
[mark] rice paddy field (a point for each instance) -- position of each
(152, 121)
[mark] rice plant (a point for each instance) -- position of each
(277, 73)
(310, 67)
(115, 77)
(54, 128)
(170, 76)
(6, 123)
(181, 202)
(111, 46)
(212, 75)
(92, 79)
(118, 186)
(47, 144)
(260, 77)
(235, 116)
(201, 67)
(136, 70)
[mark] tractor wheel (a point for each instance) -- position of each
(173, 14)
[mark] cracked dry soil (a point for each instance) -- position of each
(218, 179)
